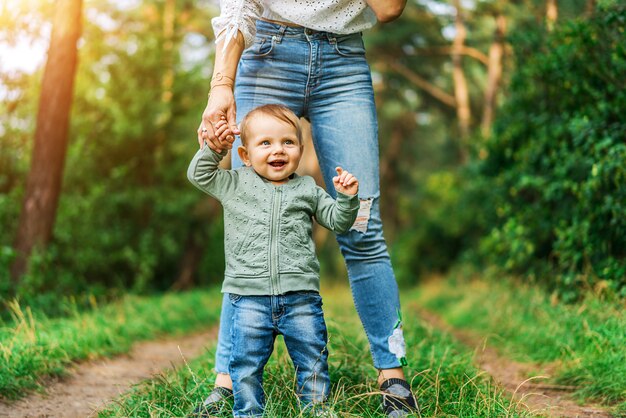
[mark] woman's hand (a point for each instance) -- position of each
(221, 103)
(220, 106)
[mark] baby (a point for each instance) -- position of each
(272, 272)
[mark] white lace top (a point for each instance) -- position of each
(337, 16)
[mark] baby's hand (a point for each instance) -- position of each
(223, 133)
(345, 182)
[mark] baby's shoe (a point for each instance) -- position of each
(218, 402)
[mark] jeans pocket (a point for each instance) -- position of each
(350, 46)
(262, 47)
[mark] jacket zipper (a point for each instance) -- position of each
(275, 285)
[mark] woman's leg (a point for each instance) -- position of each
(345, 132)
(343, 119)
(224, 345)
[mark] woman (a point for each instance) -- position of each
(310, 57)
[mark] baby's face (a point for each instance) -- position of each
(272, 148)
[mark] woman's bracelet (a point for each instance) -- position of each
(220, 79)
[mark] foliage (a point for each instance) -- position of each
(127, 215)
(33, 346)
(450, 217)
(547, 201)
(557, 162)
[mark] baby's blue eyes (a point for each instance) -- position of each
(286, 142)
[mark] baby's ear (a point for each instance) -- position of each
(243, 154)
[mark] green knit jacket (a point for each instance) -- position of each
(267, 228)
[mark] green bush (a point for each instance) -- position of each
(451, 212)
(557, 161)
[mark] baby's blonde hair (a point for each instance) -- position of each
(277, 111)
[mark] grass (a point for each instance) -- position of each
(441, 373)
(587, 340)
(34, 348)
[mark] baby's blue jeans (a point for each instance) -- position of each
(256, 321)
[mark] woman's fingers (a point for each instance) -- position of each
(210, 130)
(205, 131)
(200, 139)
(209, 137)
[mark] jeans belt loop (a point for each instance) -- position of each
(281, 33)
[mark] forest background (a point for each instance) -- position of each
(502, 131)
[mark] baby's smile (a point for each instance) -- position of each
(278, 163)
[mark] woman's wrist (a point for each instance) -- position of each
(220, 79)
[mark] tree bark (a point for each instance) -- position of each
(461, 91)
(494, 74)
(167, 79)
(43, 185)
(189, 264)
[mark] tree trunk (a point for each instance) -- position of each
(207, 209)
(189, 264)
(461, 91)
(494, 75)
(43, 184)
(552, 12)
(167, 79)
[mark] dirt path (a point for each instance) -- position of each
(93, 384)
(535, 394)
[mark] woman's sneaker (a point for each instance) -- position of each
(218, 402)
(398, 400)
